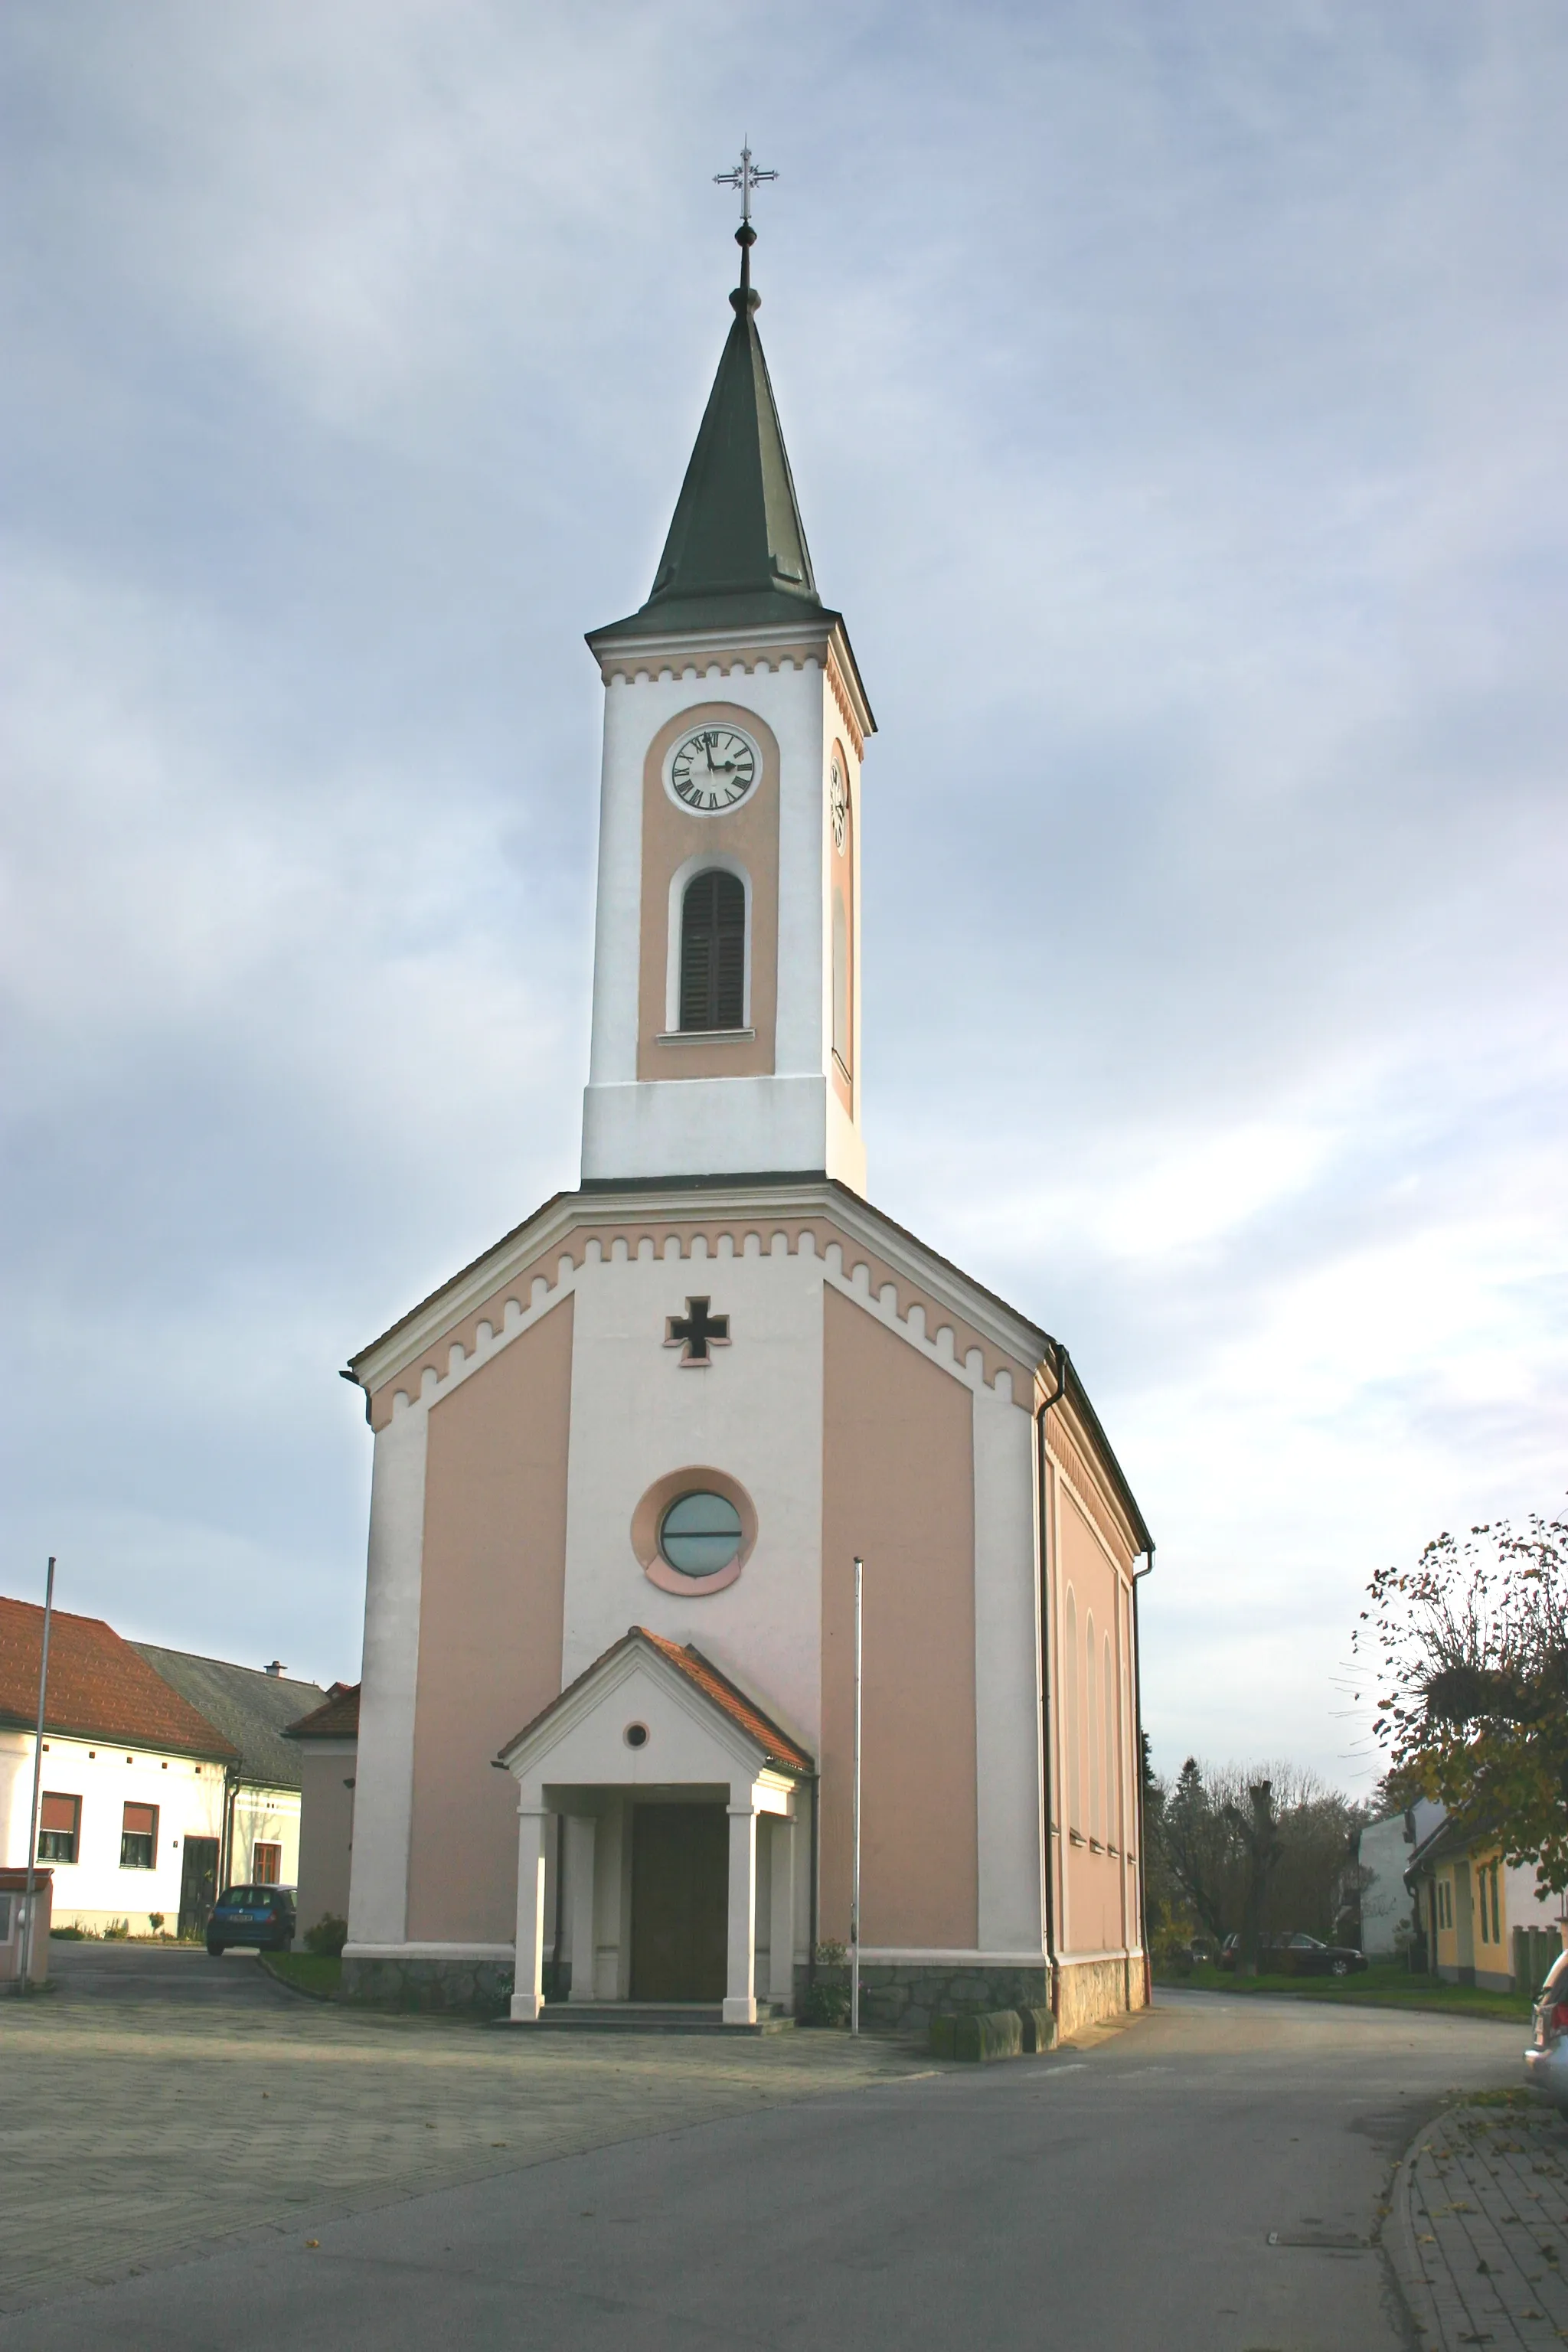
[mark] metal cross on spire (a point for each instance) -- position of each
(745, 177)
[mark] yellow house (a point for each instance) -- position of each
(1488, 1921)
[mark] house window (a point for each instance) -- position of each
(5, 1918)
(60, 1826)
(713, 952)
(139, 1837)
(265, 1864)
(1491, 1880)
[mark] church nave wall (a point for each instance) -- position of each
(489, 1627)
(899, 1489)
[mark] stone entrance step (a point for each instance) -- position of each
(653, 2016)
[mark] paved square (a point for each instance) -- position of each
(157, 2101)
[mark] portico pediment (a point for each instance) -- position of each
(650, 1715)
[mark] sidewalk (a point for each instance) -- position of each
(1479, 2226)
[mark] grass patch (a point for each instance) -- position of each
(1379, 1987)
(309, 1972)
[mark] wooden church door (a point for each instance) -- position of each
(680, 1886)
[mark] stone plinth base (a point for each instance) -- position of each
(904, 1998)
(477, 1988)
(1089, 1991)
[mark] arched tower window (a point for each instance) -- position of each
(713, 952)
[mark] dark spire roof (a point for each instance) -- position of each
(736, 555)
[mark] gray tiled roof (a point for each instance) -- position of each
(250, 1707)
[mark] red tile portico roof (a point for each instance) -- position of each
(336, 1718)
(717, 1688)
(99, 1688)
(781, 1748)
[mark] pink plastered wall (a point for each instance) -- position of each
(898, 1488)
(490, 1625)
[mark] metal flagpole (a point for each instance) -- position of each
(26, 1978)
(854, 1894)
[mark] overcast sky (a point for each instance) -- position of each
(1176, 402)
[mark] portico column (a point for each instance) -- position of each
(528, 1977)
(580, 1829)
(781, 1919)
(741, 1979)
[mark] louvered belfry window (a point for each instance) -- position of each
(713, 952)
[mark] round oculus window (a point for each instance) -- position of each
(636, 1735)
(700, 1533)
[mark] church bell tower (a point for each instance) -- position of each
(726, 1031)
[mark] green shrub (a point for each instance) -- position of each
(824, 2004)
(328, 1937)
(156, 1921)
(68, 1935)
(117, 1931)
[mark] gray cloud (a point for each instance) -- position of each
(1176, 406)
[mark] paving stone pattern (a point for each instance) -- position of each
(132, 2132)
(1481, 2203)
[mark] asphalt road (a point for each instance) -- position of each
(1207, 2180)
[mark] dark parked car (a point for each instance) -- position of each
(1546, 2059)
(262, 1916)
(1297, 1955)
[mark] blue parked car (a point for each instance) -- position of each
(260, 1916)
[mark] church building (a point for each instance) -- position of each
(625, 1463)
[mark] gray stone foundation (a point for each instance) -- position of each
(471, 1988)
(904, 1998)
(1094, 1991)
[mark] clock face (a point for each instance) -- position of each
(837, 805)
(713, 768)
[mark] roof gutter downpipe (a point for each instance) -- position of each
(1046, 1723)
(1138, 1576)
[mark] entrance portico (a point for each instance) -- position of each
(682, 1803)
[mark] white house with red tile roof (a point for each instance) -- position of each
(624, 1462)
(134, 1777)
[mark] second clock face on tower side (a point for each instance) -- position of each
(837, 805)
(714, 769)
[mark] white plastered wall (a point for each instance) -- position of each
(94, 1890)
(1007, 1712)
(756, 1412)
(378, 1897)
(790, 1119)
(266, 1816)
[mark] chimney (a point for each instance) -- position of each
(275, 1668)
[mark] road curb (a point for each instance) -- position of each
(300, 1992)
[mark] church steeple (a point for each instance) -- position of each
(726, 957)
(736, 555)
